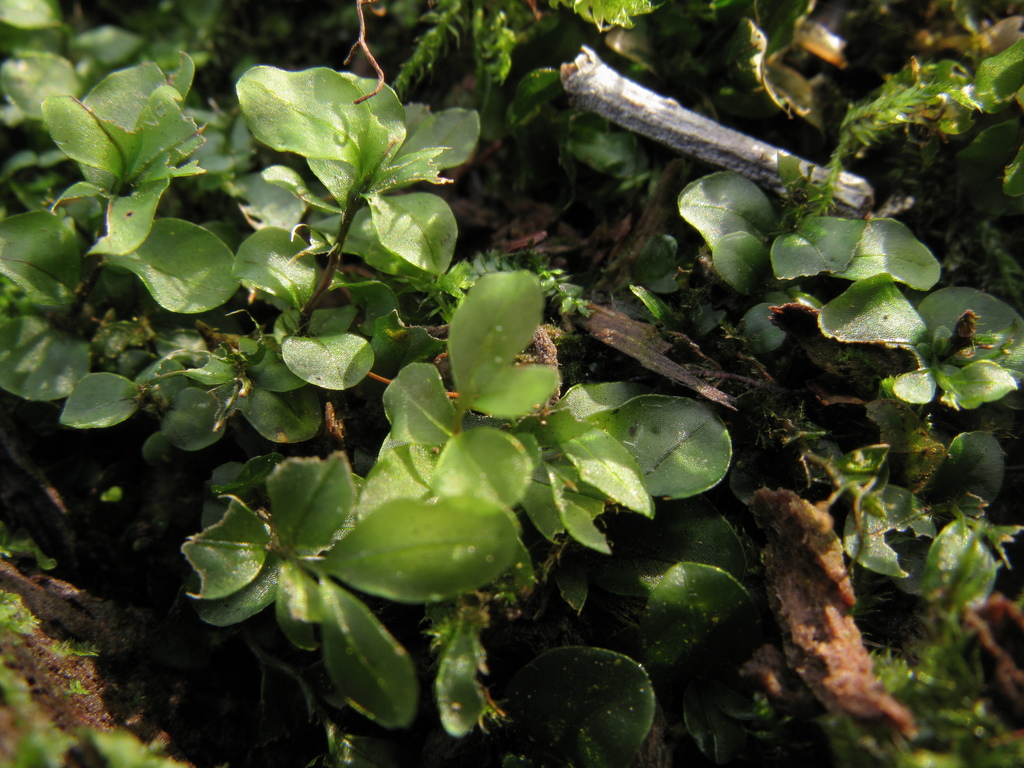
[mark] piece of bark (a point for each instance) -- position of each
(642, 342)
(810, 592)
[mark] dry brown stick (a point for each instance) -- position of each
(598, 88)
(360, 44)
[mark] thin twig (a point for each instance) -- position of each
(360, 45)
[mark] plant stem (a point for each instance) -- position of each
(355, 202)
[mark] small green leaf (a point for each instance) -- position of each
(185, 267)
(604, 463)
(539, 503)
(100, 400)
(418, 406)
(40, 255)
(402, 472)
(577, 513)
(297, 606)
(129, 219)
(192, 422)
(681, 446)
(944, 307)
(726, 202)
(974, 464)
(31, 14)
(412, 551)
(959, 569)
(819, 244)
(310, 501)
(535, 89)
(419, 228)
(269, 260)
(409, 169)
(589, 706)
(584, 400)
(485, 462)
(283, 417)
(269, 205)
(888, 247)
(456, 130)
(1000, 77)
(230, 553)
(287, 178)
(742, 260)
(698, 615)
(366, 664)
(34, 76)
(975, 384)
(915, 387)
(81, 135)
(38, 362)
(335, 361)
(872, 310)
(246, 602)
(460, 700)
(396, 345)
(517, 391)
(492, 325)
(717, 735)
(759, 331)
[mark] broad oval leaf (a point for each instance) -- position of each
(419, 228)
(38, 362)
(590, 706)
(310, 501)
(915, 386)
(460, 699)
(696, 616)
(726, 202)
(129, 219)
(297, 607)
(975, 384)
(370, 669)
(185, 267)
(974, 464)
(742, 260)
(456, 130)
(492, 325)
(80, 135)
(994, 317)
(820, 244)
(483, 462)
(230, 553)
(412, 551)
(333, 361)
(872, 310)
(418, 406)
(682, 447)
(604, 463)
(39, 254)
(269, 260)
(888, 247)
(246, 602)
(34, 76)
(283, 417)
(100, 400)
(192, 423)
(402, 472)
(519, 390)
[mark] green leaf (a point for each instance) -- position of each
(915, 387)
(589, 706)
(944, 307)
(819, 244)
(412, 551)
(283, 417)
(577, 513)
(334, 361)
(456, 130)
(40, 255)
(604, 463)
(246, 602)
(717, 735)
(129, 219)
(230, 553)
(872, 310)
(312, 113)
(267, 204)
(696, 616)
(975, 384)
(418, 406)
(185, 267)
(269, 260)
(419, 228)
(892, 509)
(409, 169)
(269, 370)
(287, 178)
(366, 664)
(534, 90)
(121, 97)
(402, 472)
(593, 141)
(959, 569)
(888, 247)
(38, 362)
(310, 501)
(100, 400)
(726, 202)
(974, 464)
(31, 14)
(460, 700)
(35, 76)
(517, 391)
(605, 13)
(193, 420)
(297, 607)
(681, 446)
(82, 136)
(584, 400)
(485, 462)
(759, 331)
(492, 325)
(539, 503)
(742, 260)
(396, 345)
(999, 77)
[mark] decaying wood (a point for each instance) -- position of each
(596, 87)
(641, 342)
(810, 593)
